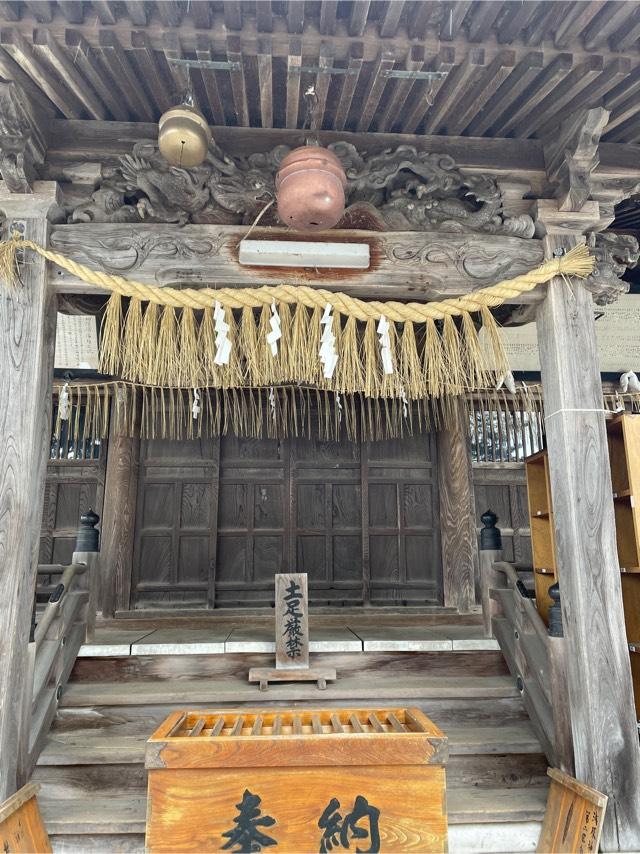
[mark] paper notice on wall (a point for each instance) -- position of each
(617, 332)
(76, 342)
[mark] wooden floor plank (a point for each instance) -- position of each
(115, 814)
(94, 815)
(471, 805)
(63, 749)
(228, 690)
(93, 750)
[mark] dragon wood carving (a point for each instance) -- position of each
(401, 188)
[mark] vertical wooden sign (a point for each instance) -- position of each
(292, 637)
(292, 621)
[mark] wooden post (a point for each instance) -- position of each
(603, 720)
(87, 551)
(457, 512)
(490, 552)
(27, 339)
(119, 519)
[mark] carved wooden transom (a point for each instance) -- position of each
(401, 189)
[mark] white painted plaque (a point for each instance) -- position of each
(76, 342)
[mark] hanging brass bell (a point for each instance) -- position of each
(183, 136)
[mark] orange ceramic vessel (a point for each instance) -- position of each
(310, 187)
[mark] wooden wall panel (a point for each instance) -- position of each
(502, 487)
(71, 488)
(402, 536)
(174, 548)
(359, 519)
(326, 519)
(251, 520)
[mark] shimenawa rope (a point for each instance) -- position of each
(390, 349)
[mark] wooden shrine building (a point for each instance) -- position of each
(479, 141)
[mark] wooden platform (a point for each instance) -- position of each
(230, 638)
(92, 768)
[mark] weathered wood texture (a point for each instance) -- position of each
(573, 818)
(27, 336)
(71, 488)
(97, 142)
(118, 521)
(501, 487)
(605, 738)
(130, 44)
(490, 578)
(524, 642)
(572, 156)
(21, 827)
(64, 625)
(217, 519)
(434, 263)
(457, 514)
(292, 620)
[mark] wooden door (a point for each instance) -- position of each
(327, 516)
(401, 529)
(217, 519)
(252, 519)
(176, 524)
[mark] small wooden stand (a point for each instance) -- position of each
(292, 638)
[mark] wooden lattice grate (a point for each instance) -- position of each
(335, 722)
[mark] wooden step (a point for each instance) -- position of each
(100, 749)
(449, 713)
(120, 814)
(122, 843)
(94, 815)
(520, 738)
(93, 750)
(215, 692)
(124, 668)
(488, 771)
(475, 805)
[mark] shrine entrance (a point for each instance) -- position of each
(217, 518)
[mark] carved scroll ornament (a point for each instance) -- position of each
(21, 146)
(614, 253)
(404, 188)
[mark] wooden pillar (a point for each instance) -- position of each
(27, 338)
(603, 719)
(119, 519)
(490, 552)
(457, 512)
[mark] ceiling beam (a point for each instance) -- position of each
(403, 269)
(295, 23)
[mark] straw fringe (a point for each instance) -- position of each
(169, 344)
(172, 348)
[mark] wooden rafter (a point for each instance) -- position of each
(115, 61)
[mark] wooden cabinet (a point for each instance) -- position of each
(623, 433)
(542, 531)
